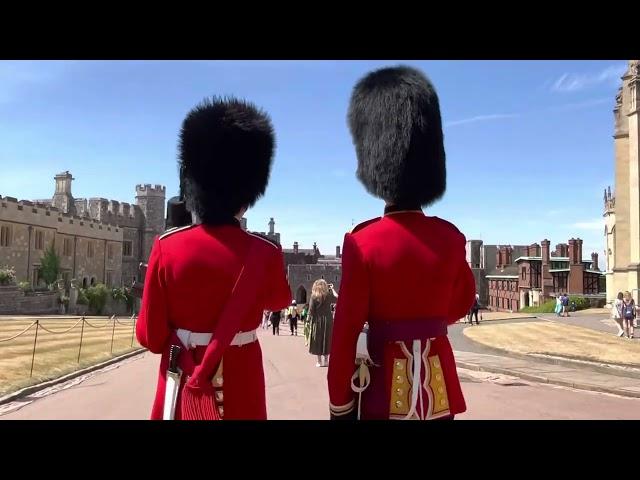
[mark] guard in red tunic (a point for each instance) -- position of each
(404, 274)
(207, 284)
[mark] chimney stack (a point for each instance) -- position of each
(594, 261)
(545, 253)
(338, 251)
(295, 247)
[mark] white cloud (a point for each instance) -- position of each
(590, 225)
(573, 82)
(482, 118)
(580, 105)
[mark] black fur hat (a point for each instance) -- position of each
(394, 118)
(226, 150)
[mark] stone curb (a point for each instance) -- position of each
(540, 379)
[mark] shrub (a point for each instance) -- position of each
(7, 276)
(97, 298)
(581, 302)
(124, 295)
(25, 287)
(82, 297)
(50, 266)
(547, 307)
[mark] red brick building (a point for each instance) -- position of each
(532, 279)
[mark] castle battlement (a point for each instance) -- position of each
(150, 190)
(25, 211)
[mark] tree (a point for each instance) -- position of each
(50, 266)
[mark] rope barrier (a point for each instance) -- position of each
(16, 336)
(106, 323)
(63, 331)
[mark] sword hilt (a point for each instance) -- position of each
(174, 351)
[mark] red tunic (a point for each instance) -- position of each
(401, 268)
(190, 275)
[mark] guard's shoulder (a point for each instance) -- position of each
(450, 225)
(174, 230)
(364, 224)
(270, 241)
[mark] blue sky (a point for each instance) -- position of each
(529, 143)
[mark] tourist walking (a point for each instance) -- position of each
(474, 310)
(628, 314)
(616, 313)
(293, 315)
(565, 305)
(275, 321)
(321, 320)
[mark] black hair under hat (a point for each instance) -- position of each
(225, 152)
(394, 118)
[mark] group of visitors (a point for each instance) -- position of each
(624, 312)
(317, 318)
(291, 313)
(562, 305)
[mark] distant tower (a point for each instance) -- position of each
(62, 198)
(622, 211)
(272, 226)
(151, 200)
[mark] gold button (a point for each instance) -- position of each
(436, 363)
(219, 380)
(442, 401)
(398, 404)
(438, 377)
(440, 389)
(399, 391)
(398, 379)
(399, 365)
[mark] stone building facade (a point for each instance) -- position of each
(622, 209)
(306, 265)
(97, 240)
(482, 259)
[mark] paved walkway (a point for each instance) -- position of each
(296, 389)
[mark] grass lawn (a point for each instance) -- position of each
(57, 348)
(560, 340)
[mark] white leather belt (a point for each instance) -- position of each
(194, 339)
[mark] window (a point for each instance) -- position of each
(67, 249)
(110, 249)
(5, 236)
(109, 279)
(90, 249)
(524, 273)
(39, 240)
(126, 248)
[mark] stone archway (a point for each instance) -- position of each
(84, 282)
(301, 295)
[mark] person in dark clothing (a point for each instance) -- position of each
(474, 310)
(565, 305)
(275, 321)
(293, 315)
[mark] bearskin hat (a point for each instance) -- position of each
(394, 118)
(226, 150)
